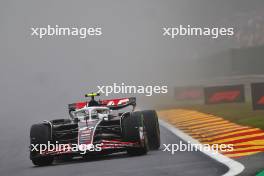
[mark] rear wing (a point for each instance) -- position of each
(113, 104)
(120, 103)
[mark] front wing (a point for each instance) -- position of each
(100, 147)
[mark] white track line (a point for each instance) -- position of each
(235, 167)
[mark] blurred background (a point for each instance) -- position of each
(39, 77)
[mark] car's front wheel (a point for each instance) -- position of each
(42, 161)
(40, 134)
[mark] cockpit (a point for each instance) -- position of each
(92, 113)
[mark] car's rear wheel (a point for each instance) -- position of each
(133, 130)
(40, 134)
(152, 128)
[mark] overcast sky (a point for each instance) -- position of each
(39, 77)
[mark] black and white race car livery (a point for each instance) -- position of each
(95, 128)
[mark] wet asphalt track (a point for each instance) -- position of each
(14, 161)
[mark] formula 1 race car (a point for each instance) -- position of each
(95, 127)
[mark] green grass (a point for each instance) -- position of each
(260, 174)
(240, 113)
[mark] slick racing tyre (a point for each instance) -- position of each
(152, 128)
(133, 130)
(40, 134)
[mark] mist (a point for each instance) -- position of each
(39, 77)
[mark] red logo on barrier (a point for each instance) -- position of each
(261, 101)
(224, 96)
